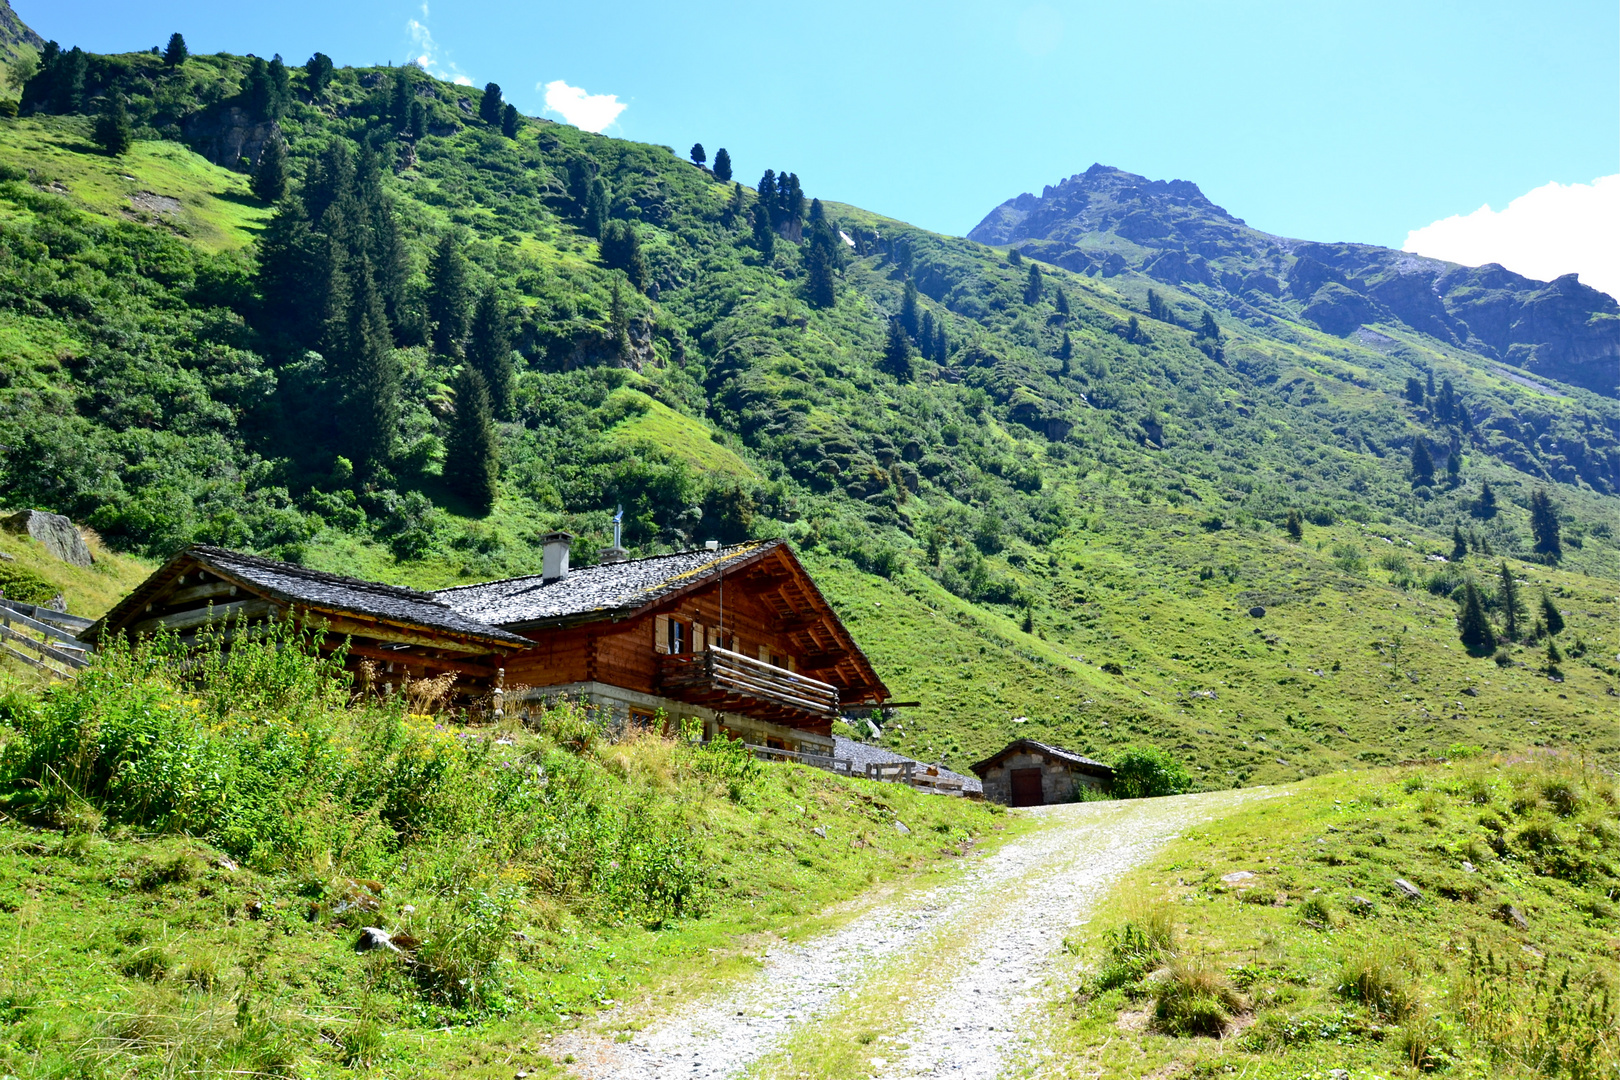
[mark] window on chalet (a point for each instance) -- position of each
(674, 635)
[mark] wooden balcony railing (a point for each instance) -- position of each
(731, 682)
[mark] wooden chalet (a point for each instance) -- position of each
(736, 638)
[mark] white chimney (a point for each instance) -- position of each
(555, 564)
(711, 545)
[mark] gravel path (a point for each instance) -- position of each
(977, 953)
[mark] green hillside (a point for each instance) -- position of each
(1046, 507)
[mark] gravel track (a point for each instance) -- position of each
(977, 952)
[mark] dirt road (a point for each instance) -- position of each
(941, 983)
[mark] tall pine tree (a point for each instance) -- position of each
(598, 200)
(471, 456)
(176, 53)
(820, 266)
(270, 174)
(491, 105)
(361, 364)
(764, 232)
(897, 353)
(722, 166)
(489, 352)
(318, 74)
(1545, 527)
(511, 121)
(908, 308)
(1472, 626)
(699, 155)
(1033, 287)
(1422, 463)
(1551, 617)
(447, 296)
(1485, 506)
(113, 132)
(1507, 598)
(621, 250)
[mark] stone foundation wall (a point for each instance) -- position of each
(1060, 782)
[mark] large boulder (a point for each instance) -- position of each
(54, 531)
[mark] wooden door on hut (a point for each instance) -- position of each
(1026, 788)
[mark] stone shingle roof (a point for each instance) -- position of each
(297, 584)
(863, 754)
(593, 591)
(1084, 764)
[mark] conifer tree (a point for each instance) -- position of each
(447, 296)
(767, 195)
(722, 166)
(597, 202)
(764, 232)
(1060, 299)
(1294, 525)
(621, 250)
(942, 344)
(1208, 328)
(817, 211)
(258, 93)
(820, 265)
(113, 132)
(367, 373)
(1551, 617)
(738, 205)
(908, 308)
(510, 121)
(1033, 287)
(318, 74)
(176, 53)
(1066, 351)
(1454, 461)
(1554, 658)
(1507, 598)
(419, 121)
(897, 353)
(699, 155)
(1459, 544)
(1485, 505)
(1133, 330)
(489, 352)
(491, 105)
(904, 257)
(619, 317)
(1015, 257)
(925, 335)
(471, 456)
(1472, 626)
(790, 195)
(270, 174)
(1414, 390)
(1422, 463)
(67, 81)
(280, 85)
(1545, 527)
(399, 109)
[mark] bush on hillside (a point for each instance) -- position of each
(1145, 772)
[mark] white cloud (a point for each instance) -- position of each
(1554, 230)
(588, 112)
(430, 57)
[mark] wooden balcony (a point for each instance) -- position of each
(728, 681)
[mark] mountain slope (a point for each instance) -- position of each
(1108, 221)
(1027, 543)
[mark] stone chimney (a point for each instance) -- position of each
(611, 555)
(555, 563)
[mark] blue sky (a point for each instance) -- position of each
(1319, 119)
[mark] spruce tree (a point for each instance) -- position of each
(621, 250)
(1459, 544)
(1414, 390)
(1066, 351)
(471, 457)
(817, 211)
(699, 155)
(176, 53)
(1551, 617)
(114, 133)
(925, 335)
(767, 195)
(597, 203)
(738, 205)
(1422, 463)
(447, 296)
(399, 109)
(510, 121)
(908, 308)
(258, 92)
(490, 106)
(820, 265)
(1472, 626)
(67, 81)
(280, 81)
(1545, 527)
(764, 232)
(1294, 525)
(318, 74)
(1133, 330)
(1554, 658)
(489, 352)
(1485, 505)
(367, 373)
(1507, 598)
(270, 174)
(1208, 328)
(897, 353)
(1060, 298)
(722, 166)
(1015, 257)
(942, 344)
(791, 196)
(1032, 288)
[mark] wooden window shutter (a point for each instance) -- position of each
(792, 666)
(700, 637)
(661, 634)
(765, 653)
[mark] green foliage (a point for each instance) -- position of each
(1551, 618)
(114, 133)
(471, 457)
(1294, 525)
(175, 53)
(23, 584)
(489, 352)
(722, 166)
(1473, 628)
(448, 296)
(491, 105)
(270, 174)
(621, 250)
(1145, 772)
(699, 155)
(1545, 526)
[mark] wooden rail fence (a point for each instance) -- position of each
(43, 638)
(889, 772)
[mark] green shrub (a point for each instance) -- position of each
(1134, 948)
(1378, 981)
(1143, 772)
(1195, 999)
(21, 583)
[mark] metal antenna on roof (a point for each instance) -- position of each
(617, 519)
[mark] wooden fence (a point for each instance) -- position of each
(43, 638)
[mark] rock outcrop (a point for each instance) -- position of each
(227, 135)
(55, 532)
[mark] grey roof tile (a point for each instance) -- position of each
(594, 591)
(1086, 764)
(320, 589)
(864, 754)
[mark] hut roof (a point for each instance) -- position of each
(863, 754)
(596, 592)
(1083, 764)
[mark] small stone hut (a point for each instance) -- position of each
(1029, 773)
